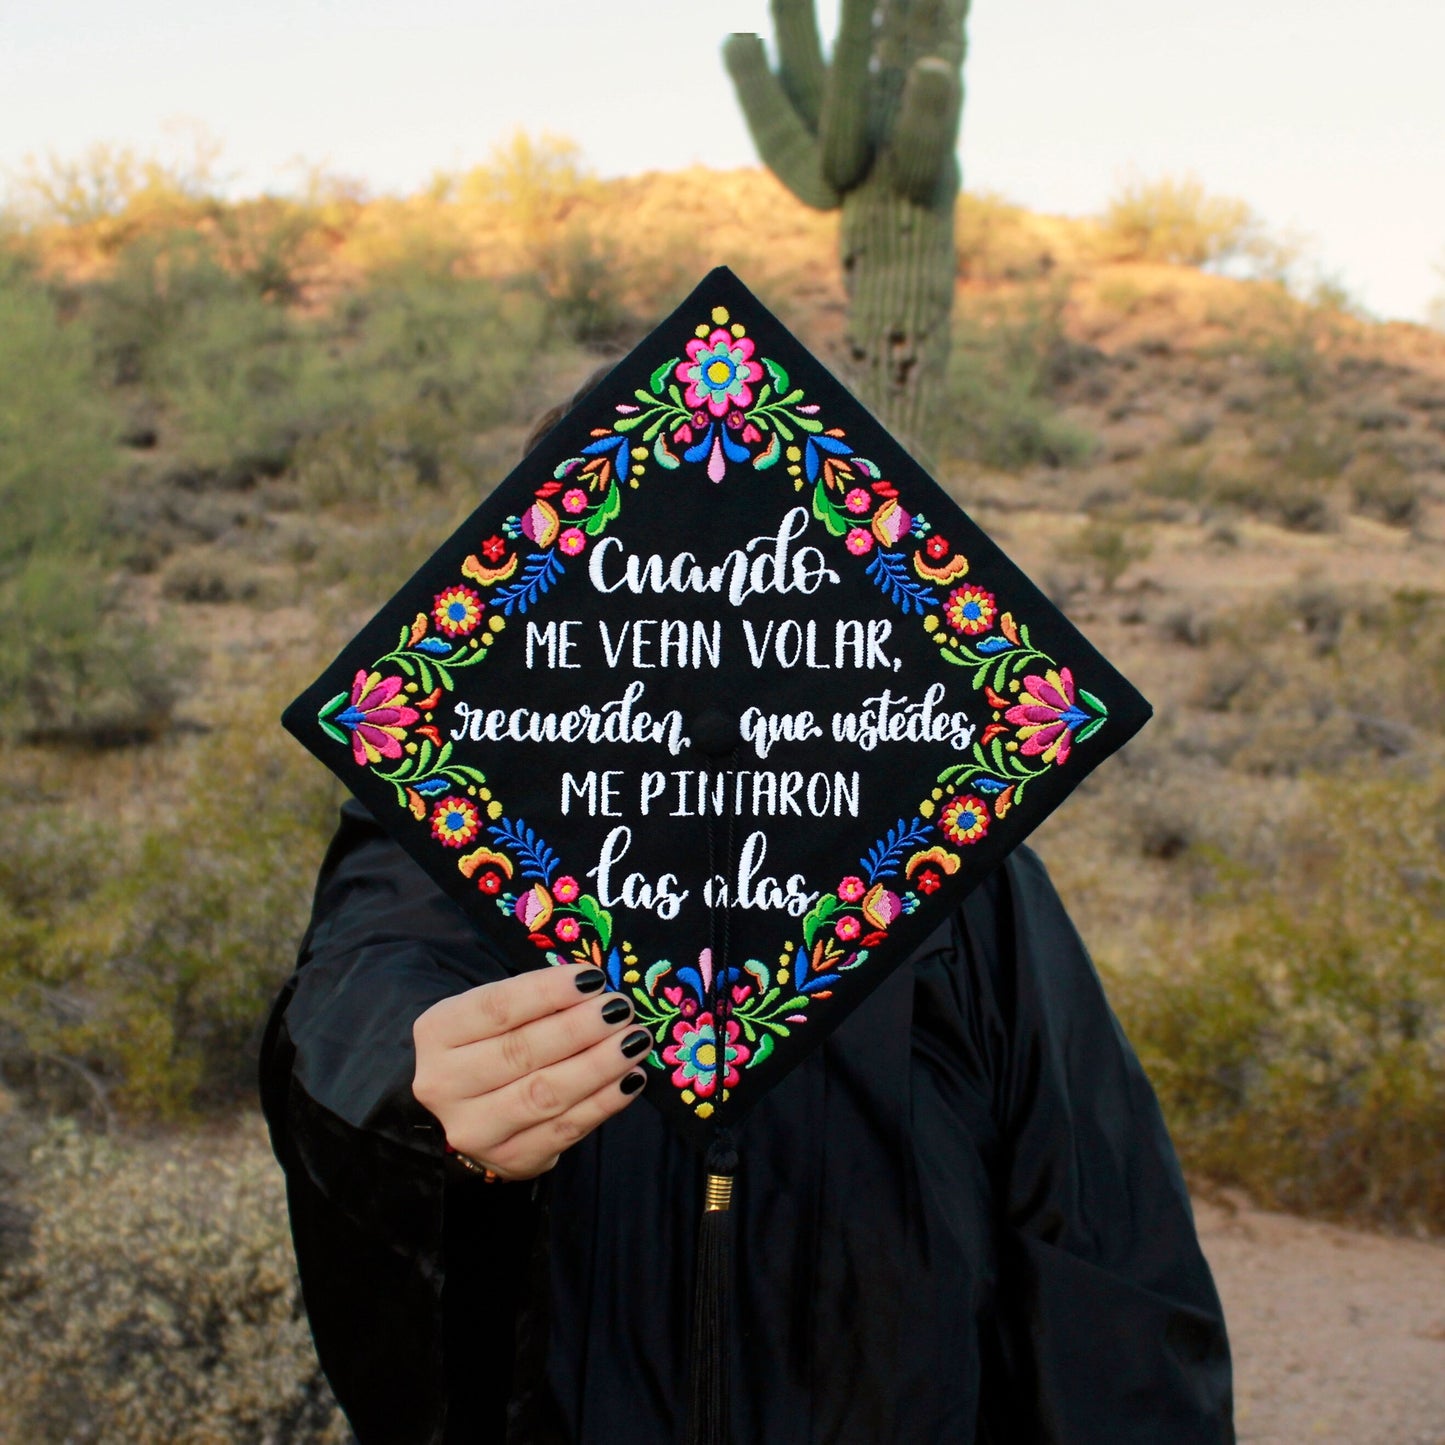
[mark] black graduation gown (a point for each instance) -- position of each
(959, 1220)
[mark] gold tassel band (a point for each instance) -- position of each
(717, 1193)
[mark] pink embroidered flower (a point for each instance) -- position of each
(964, 820)
(719, 372)
(455, 822)
(1049, 716)
(534, 908)
(375, 718)
(574, 501)
(566, 889)
(851, 889)
(859, 541)
(693, 1055)
(970, 610)
(572, 541)
(857, 501)
(457, 610)
(848, 928)
(568, 930)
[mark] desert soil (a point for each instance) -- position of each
(1338, 1336)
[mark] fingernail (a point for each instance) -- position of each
(631, 1083)
(590, 980)
(639, 1041)
(616, 1011)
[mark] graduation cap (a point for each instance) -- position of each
(720, 692)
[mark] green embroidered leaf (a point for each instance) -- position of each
(809, 423)
(817, 916)
(335, 705)
(780, 377)
(827, 513)
(599, 918)
(629, 423)
(332, 731)
(676, 397)
(1089, 729)
(784, 429)
(611, 506)
(663, 456)
(765, 1047)
(657, 971)
(1094, 703)
(949, 655)
(660, 375)
(793, 397)
(769, 455)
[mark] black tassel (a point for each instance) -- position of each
(708, 1406)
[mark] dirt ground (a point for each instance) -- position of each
(1338, 1336)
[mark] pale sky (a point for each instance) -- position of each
(1327, 117)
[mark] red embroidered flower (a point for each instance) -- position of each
(964, 820)
(490, 883)
(970, 610)
(457, 610)
(936, 547)
(455, 822)
(493, 548)
(928, 881)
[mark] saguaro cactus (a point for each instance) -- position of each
(872, 131)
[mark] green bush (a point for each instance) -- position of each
(144, 957)
(1174, 220)
(1295, 1027)
(158, 1299)
(1008, 360)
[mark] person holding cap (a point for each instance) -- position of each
(960, 1220)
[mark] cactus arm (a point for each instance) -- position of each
(800, 57)
(783, 141)
(925, 132)
(843, 125)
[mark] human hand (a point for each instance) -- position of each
(518, 1070)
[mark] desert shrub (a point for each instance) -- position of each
(1382, 489)
(146, 952)
(1108, 549)
(74, 661)
(158, 1299)
(1295, 1027)
(1174, 220)
(1007, 361)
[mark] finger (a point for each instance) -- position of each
(491, 1064)
(535, 1150)
(548, 1093)
(497, 1008)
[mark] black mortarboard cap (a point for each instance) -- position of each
(721, 692)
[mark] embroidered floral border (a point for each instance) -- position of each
(721, 405)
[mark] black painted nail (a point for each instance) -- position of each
(631, 1083)
(590, 980)
(616, 1011)
(639, 1041)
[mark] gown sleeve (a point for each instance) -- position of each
(1110, 1328)
(394, 1252)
